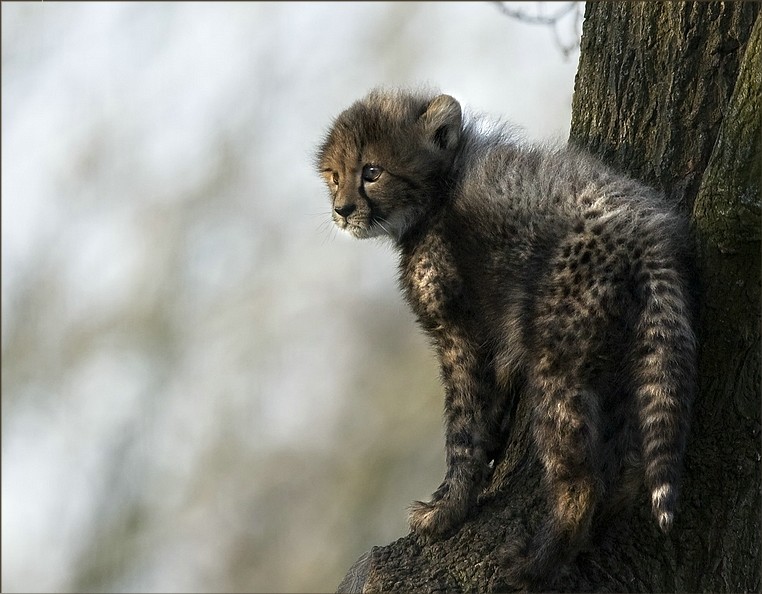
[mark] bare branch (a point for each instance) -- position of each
(573, 9)
(536, 19)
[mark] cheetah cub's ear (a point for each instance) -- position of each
(441, 122)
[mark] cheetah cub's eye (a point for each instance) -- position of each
(335, 178)
(371, 173)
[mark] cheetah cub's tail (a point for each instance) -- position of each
(665, 379)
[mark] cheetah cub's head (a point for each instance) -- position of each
(386, 161)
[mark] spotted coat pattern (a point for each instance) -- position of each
(532, 267)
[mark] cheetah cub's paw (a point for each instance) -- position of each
(437, 519)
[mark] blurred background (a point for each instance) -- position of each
(205, 387)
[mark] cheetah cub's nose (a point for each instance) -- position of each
(344, 210)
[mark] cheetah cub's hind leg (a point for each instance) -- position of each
(567, 433)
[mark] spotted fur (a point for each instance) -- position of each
(532, 267)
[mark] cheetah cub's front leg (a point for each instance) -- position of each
(469, 429)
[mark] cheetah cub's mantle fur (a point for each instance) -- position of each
(531, 267)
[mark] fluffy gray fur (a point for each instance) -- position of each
(531, 267)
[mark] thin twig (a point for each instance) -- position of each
(536, 19)
(553, 20)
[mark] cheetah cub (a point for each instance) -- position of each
(535, 268)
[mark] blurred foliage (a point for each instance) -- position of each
(204, 386)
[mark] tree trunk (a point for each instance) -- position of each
(670, 93)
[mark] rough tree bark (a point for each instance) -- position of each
(672, 94)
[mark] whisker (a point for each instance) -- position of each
(377, 221)
(320, 213)
(388, 230)
(327, 228)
